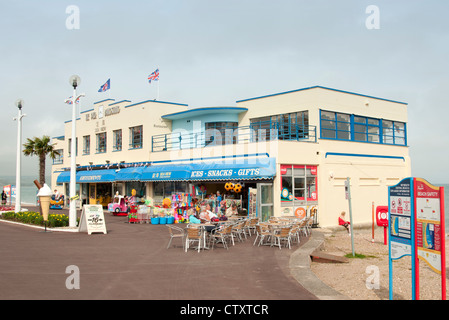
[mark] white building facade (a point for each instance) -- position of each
(292, 152)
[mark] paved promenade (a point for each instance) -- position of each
(132, 262)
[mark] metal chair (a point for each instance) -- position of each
(194, 234)
(175, 232)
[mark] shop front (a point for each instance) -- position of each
(246, 183)
(299, 191)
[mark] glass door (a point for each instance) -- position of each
(265, 200)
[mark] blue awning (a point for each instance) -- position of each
(234, 170)
(90, 176)
(178, 172)
(129, 174)
(64, 177)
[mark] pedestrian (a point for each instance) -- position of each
(4, 197)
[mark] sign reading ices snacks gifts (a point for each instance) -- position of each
(92, 219)
(416, 215)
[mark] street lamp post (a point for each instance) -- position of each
(19, 104)
(74, 82)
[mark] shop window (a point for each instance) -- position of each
(298, 183)
(135, 137)
(117, 136)
(86, 145)
(140, 188)
(101, 142)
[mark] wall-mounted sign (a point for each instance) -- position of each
(102, 113)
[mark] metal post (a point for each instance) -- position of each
(18, 207)
(72, 212)
(350, 213)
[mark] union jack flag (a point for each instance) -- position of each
(154, 76)
(106, 86)
(70, 100)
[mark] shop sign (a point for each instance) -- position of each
(227, 173)
(101, 112)
(92, 219)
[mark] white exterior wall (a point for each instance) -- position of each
(370, 176)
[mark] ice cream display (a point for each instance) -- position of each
(44, 195)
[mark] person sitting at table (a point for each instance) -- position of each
(232, 210)
(192, 217)
(204, 214)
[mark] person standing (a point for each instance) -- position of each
(4, 198)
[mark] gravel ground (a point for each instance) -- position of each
(355, 278)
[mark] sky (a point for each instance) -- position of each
(214, 53)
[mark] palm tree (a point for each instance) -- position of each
(40, 147)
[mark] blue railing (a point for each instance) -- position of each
(261, 131)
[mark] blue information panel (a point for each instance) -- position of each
(400, 209)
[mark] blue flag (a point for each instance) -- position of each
(106, 86)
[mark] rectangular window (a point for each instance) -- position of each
(341, 126)
(117, 142)
(101, 142)
(135, 137)
(298, 183)
(335, 125)
(287, 126)
(219, 133)
(86, 145)
(70, 147)
(59, 159)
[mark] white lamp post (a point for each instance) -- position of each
(19, 104)
(74, 82)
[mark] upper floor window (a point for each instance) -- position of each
(135, 137)
(59, 158)
(218, 133)
(117, 142)
(340, 126)
(70, 147)
(86, 145)
(101, 142)
(287, 126)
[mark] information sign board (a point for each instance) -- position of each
(92, 219)
(429, 233)
(400, 219)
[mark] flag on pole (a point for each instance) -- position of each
(106, 86)
(154, 76)
(70, 100)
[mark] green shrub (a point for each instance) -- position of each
(54, 220)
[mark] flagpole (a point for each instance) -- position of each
(158, 84)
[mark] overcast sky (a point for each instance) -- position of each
(213, 53)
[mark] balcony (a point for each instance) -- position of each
(262, 131)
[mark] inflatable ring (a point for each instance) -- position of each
(237, 187)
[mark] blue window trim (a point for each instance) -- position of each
(381, 134)
(363, 155)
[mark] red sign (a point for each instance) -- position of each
(382, 216)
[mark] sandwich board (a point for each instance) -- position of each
(92, 219)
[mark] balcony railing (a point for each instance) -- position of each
(261, 131)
